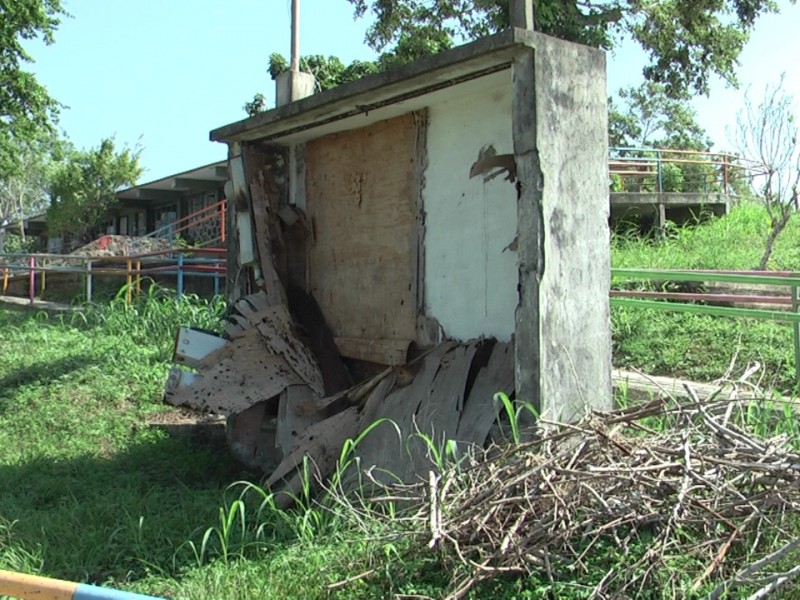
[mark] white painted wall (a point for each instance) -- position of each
(470, 281)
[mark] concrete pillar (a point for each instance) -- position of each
(562, 337)
(521, 14)
(291, 86)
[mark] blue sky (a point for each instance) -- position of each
(161, 74)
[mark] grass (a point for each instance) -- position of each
(697, 346)
(89, 492)
(735, 241)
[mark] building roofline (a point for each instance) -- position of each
(379, 89)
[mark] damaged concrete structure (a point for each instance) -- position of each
(404, 246)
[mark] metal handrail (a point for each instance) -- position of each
(212, 211)
(180, 262)
(658, 157)
(789, 279)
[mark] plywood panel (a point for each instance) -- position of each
(360, 194)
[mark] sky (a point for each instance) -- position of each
(160, 74)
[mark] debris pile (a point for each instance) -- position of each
(287, 395)
(122, 245)
(700, 491)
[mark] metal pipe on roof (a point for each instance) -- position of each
(295, 64)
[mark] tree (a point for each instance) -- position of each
(650, 117)
(686, 40)
(83, 188)
(26, 109)
(768, 140)
(23, 191)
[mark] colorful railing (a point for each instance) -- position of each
(190, 221)
(180, 263)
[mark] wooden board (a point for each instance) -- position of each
(645, 387)
(295, 415)
(385, 449)
(479, 410)
(436, 420)
(383, 352)
(361, 202)
(236, 377)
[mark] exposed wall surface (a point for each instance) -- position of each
(470, 272)
(571, 137)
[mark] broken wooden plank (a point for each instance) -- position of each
(235, 326)
(236, 377)
(245, 432)
(479, 410)
(279, 337)
(646, 387)
(193, 345)
(296, 413)
(387, 453)
(321, 443)
(436, 419)
(382, 352)
(439, 413)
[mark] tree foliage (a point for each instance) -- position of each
(768, 139)
(84, 185)
(330, 71)
(686, 40)
(648, 116)
(26, 109)
(23, 191)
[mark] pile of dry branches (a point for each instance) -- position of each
(695, 490)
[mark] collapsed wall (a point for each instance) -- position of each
(406, 260)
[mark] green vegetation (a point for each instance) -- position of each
(83, 188)
(686, 42)
(697, 346)
(90, 492)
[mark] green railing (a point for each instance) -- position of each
(670, 301)
(661, 170)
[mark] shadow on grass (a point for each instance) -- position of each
(124, 517)
(42, 372)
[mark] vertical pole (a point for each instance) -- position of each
(796, 330)
(5, 280)
(216, 278)
(44, 276)
(138, 278)
(89, 281)
(32, 278)
(658, 169)
(295, 64)
(180, 275)
(222, 207)
(129, 282)
(725, 173)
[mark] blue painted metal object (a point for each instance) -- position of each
(30, 587)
